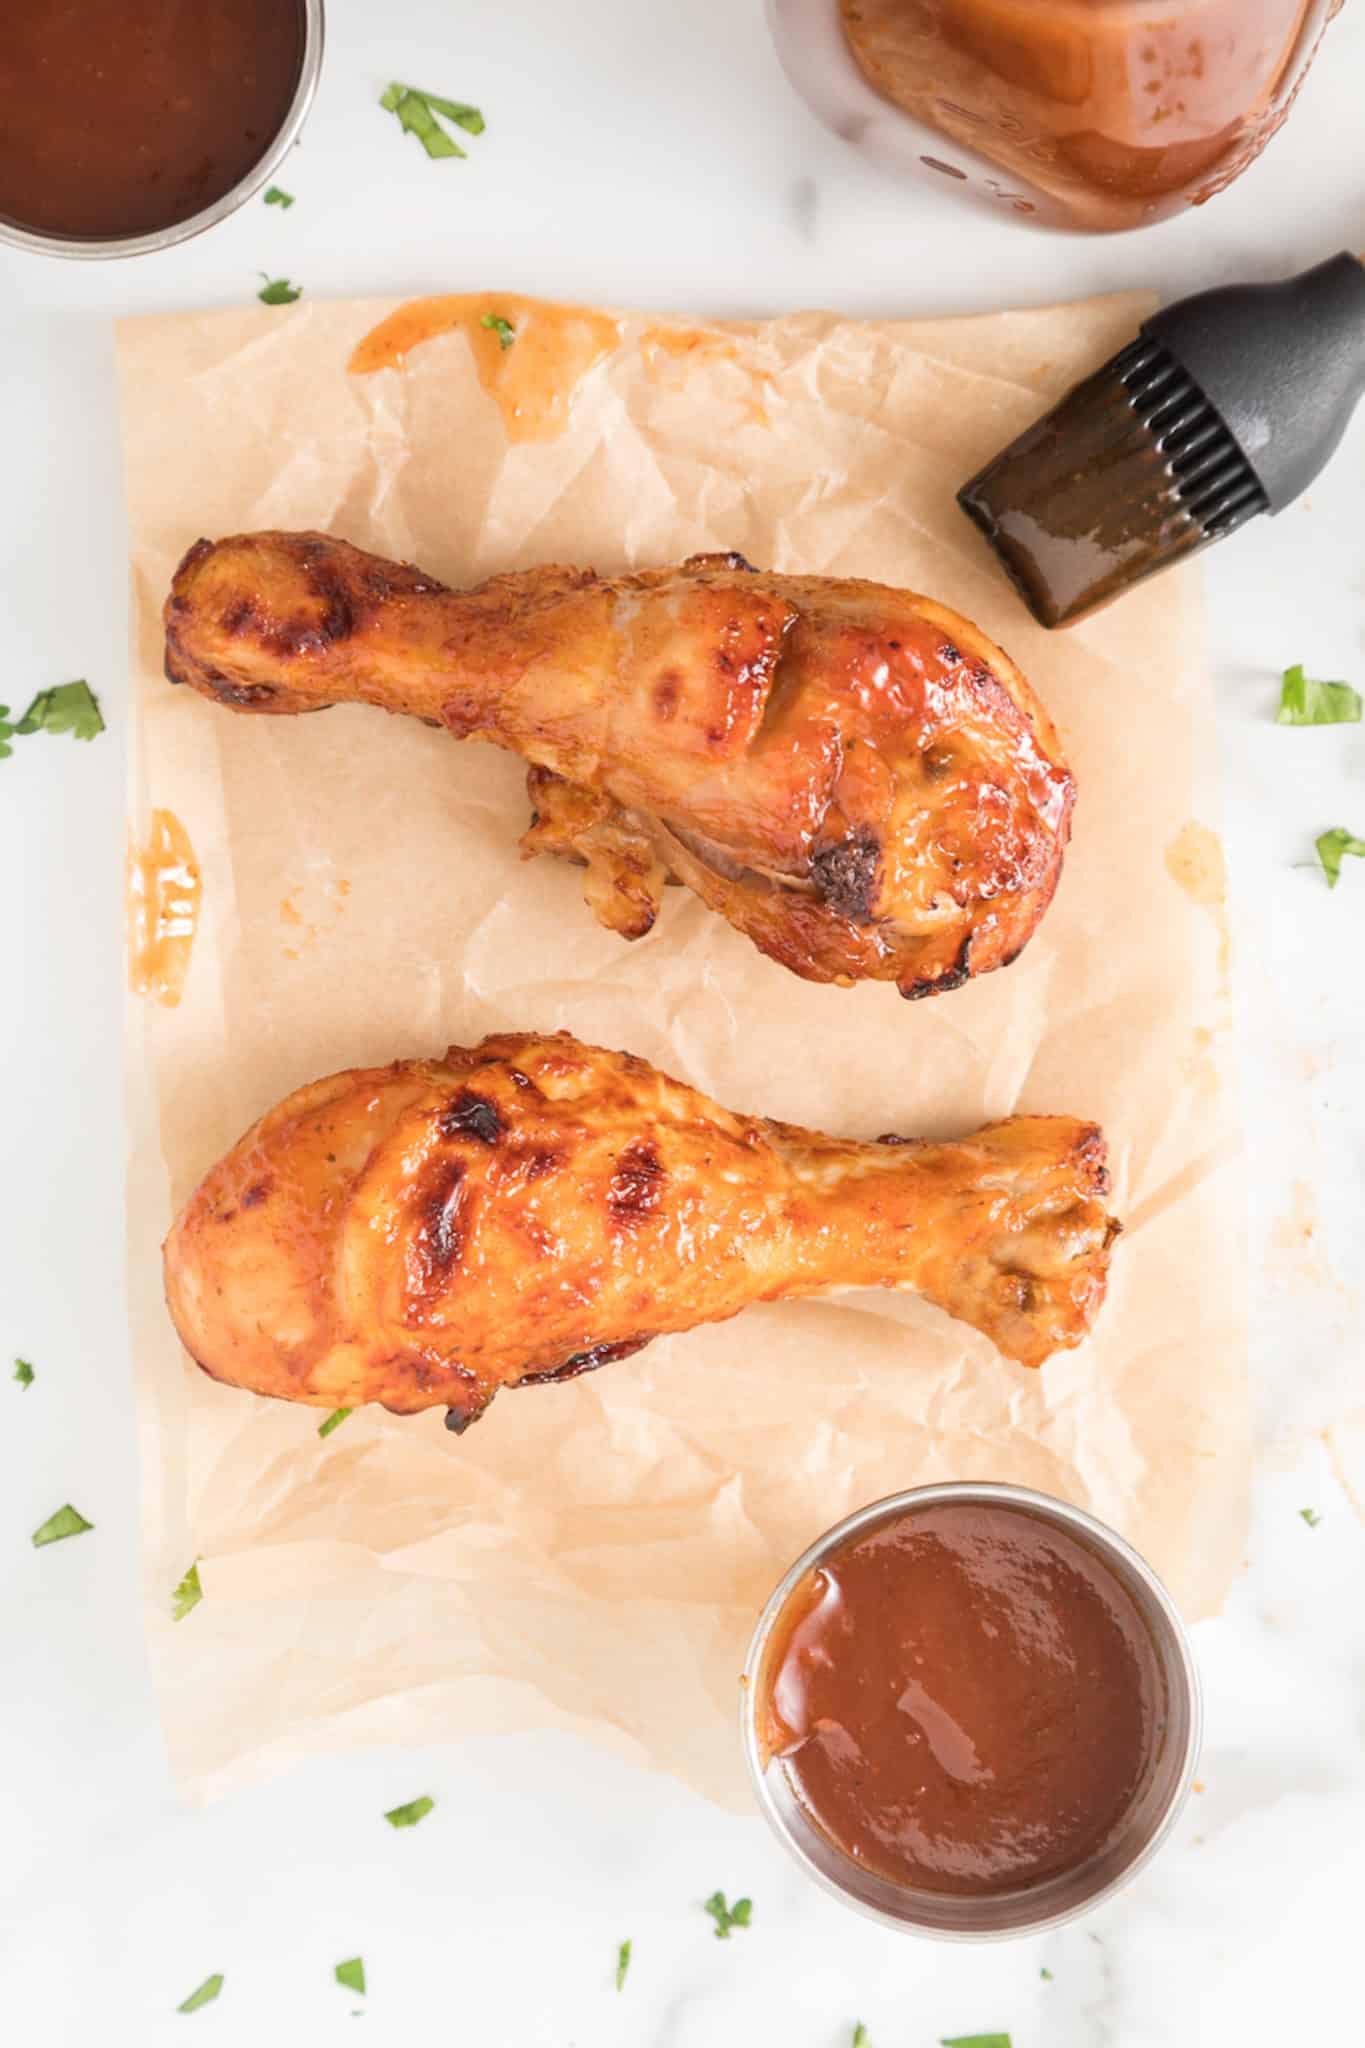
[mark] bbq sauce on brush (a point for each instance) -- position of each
(120, 117)
(964, 1700)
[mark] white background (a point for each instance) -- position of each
(649, 155)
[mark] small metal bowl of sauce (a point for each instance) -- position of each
(127, 126)
(971, 1710)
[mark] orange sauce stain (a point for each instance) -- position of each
(1201, 1064)
(693, 346)
(532, 379)
(1194, 861)
(1295, 1231)
(327, 905)
(163, 892)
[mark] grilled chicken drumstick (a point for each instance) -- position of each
(852, 775)
(425, 1233)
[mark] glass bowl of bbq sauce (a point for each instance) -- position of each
(1101, 115)
(971, 1711)
(127, 126)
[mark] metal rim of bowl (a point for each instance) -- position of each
(104, 249)
(1112, 1548)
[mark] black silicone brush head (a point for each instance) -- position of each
(1132, 471)
(1228, 404)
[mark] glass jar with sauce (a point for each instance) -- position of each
(1096, 114)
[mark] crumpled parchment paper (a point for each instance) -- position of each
(594, 1555)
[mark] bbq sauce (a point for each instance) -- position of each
(162, 894)
(964, 1700)
(1101, 114)
(121, 117)
(1082, 505)
(530, 355)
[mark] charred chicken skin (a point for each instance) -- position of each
(855, 777)
(423, 1234)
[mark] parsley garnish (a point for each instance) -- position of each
(622, 1965)
(1045, 1974)
(1306, 701)
(417, 113)
(861, 2037)
(1332, 847)
(66, 1522)
(23, 1372)
(276, 197)
(409, 1815)
(67, 707)
(726, 1917)
(352, 1975)
(504, 329)
(975, 2041)
(205, 1995)
(1311, 1516)
(277, 291)
(187, 1594)
(334, 1420)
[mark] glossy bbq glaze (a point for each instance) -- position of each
(122, 117)
(428, 1233)
(1100, 113)
(964, 1699)
(854, 776)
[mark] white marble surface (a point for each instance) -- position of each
(651, 155)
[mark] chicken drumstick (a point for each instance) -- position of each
(425, 1233)
(854, 776)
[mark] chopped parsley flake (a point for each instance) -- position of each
(409, 1815)
(416, 112)
(1305, 701)
(276, 197)
(277, 291)
(622, 1965)
(504, 329)
(726, 1917)
(205, 1995)
(1332, 847)
(334, 1420)
(23, 1372)
(352, 1974)
(66, 707)
(66, 1522)
(187, 1594)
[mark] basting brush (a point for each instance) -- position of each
(1227, 404)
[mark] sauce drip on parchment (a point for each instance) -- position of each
(163, 893)
(1195, 861)
(682, 349)
(530, 355)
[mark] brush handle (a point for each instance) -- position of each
(1282, 364)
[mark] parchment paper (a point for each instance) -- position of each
(593, 1555)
